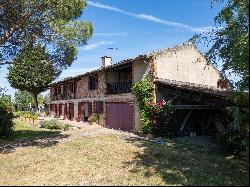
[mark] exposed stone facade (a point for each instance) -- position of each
(83, 87)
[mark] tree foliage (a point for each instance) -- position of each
(6, 120)
(32, 71)
(230, 40)
(7, 101)
(230, 45)
(51, 22)
(22, 99)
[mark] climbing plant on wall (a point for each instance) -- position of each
(154, 117)
(145, 96)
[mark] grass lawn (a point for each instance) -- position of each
(27, 131)
(112, 160)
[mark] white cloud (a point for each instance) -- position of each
(96, 45)
(151, 18)
(111, 34)
(107, 7)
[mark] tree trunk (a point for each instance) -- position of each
(35, 101)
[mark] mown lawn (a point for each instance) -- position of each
(27, 131)
(113, 160)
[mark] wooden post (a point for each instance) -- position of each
(185, 120)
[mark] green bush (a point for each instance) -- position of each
(161, 116)
(94, 118)
(66, 127)
(6, 121)
(51, 124)
(233, 141)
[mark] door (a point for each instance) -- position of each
(119, 116)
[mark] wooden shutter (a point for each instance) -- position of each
(89, 108)
(99, 107)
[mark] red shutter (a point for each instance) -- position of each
(79, 111)
(65, 110)
(55, 110)
(94, 106)
(99, 107)
(89, 108)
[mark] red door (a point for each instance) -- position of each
(119, 116)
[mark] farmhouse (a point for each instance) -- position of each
(180, 73)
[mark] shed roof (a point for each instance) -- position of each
(210, 90)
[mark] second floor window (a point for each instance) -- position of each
(59, 90)
(93, 82)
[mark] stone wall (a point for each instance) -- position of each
(83, 87)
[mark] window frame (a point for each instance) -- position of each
(93, 82)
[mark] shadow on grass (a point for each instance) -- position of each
(29, 138)
(183, 164)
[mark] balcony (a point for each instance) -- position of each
(64, 96)
(119, 87)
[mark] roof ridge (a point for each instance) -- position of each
(121, 62)
(179, 46)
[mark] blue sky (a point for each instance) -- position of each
(135, 27)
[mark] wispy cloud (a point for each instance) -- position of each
(96, 45)
(111, 34)
(151, 18)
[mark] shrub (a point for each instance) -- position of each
(51, 124)
(233, 141)
(94, 118)
(161, 116)
(66, 127)
(6, 121)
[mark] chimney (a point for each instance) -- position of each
(106, 61)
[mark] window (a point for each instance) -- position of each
(93, 82)
(71, 87)
(59, 90)
(99, 107)
(75, 86)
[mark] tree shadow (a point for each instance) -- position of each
(30, 138)
(184, 164)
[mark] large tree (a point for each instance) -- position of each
(51, 22)
(230, 40)
(32, 71)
